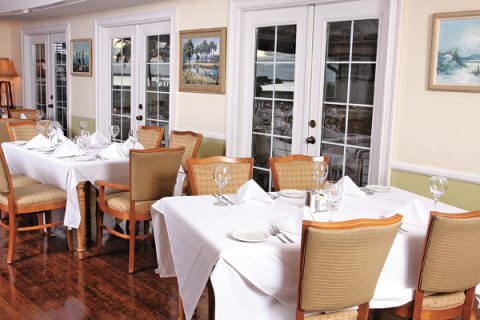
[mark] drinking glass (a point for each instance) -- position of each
(83, 125)
(320, 172)
(114, 132)
(84, 139)
(221, 175)
(133, 136)
(40, 114)
(51, 133)
(334, 193)
(438, 185)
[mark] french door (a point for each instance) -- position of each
(137, 92)
(47, 80)
(315, 72)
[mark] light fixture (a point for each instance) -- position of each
(7, 70)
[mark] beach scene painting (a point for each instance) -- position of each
(456, 56)
(202, 60)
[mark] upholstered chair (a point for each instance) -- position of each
(449, 271)
(150, 136)
(24, 198)
(153, 175)
(294, 171)
(28, 113)
(340, 263)
(22, 131)
(200, 174)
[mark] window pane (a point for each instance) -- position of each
(286, 42)
(338, 42)
(362, 83)
(281, 147)
(265, 44)
(264, 80)
(284, 76)
(334, 123)
(335, 155)
(359, 126)
(356, 166)
(336, 83)
(260, 150)
(262, 116)
(283, 118)
(261, 177)
(365, 37)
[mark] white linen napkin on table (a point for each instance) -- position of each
(60, 136)
(68, 149)
(414, 214)
(115, 151)
(351, 189)
(130, 145)
(98, 139)
(251, 190)
(39, 141)
(23, 116)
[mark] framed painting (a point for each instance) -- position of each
(455, 52)
(82, 57)
(202, 60)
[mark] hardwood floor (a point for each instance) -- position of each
(46, 282)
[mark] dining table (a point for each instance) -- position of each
(74, 175)
(197, 242)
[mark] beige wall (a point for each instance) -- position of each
(432, 128)
(199, 112)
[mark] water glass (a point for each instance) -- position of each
(40, 114)
(319, 173)
(84, 139)
(334, 193)
(133, 136)
(221, 175)
(438, 185)
(114, 132)
(51, 133)
(83, 125)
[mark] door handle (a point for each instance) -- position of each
(140, 106)
(139, 117)
(50, 105)
(310, 140)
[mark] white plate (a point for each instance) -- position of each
(46, 150)
(83, 158)
(19, 143)
(377, 188)
(292, 193)
(250, 235)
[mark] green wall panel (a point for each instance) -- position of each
(74, 126)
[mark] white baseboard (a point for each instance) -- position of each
(431, 171)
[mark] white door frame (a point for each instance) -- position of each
(101, 78)
(236, 117)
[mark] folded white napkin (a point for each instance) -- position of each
(251, 190)
(23, 116)
(293, 222)
(130, 145)
(60, 136)
(351, 189)
(98, 138)
(68, 149)
(115, 151)
(414, 213)
(39, 141)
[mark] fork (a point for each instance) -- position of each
(273, 233)
(400, 230)
(273, 196)
(278, 231)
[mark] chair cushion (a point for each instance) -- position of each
(441, 301)
(19, 180)
(35, 194)
(121, 201)
(340, 315)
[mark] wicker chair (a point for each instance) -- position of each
(191, 141)
(28, 113)
(149, 182)
(22, 199)
(294, 171)
(200, 174)
(450, 269)
(340, 264)
(22, 131)
(150, 136)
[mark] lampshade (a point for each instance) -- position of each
(6, 68)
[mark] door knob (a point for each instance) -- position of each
(50, 105)
(310, 140)
(312, 123)
(139, 117)
(140, 106)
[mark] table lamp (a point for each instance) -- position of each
(7, 70)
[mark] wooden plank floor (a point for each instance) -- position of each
(46, 282)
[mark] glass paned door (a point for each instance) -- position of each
(60, 87)
(40, 77)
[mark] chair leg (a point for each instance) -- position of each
(12, 234)
(99, 230)
(363, 311)
(131, 247)
(468, 304)
(48, 219)
(146, 231)
(40, 221)
(69, 240)
(181, 314)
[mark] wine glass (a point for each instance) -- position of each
(83, 125)
(438, 185)
(114, 132)
(51, 133)
(133, 136)
(221, 175)
(84, 139)
(40, 114)
(320, 172)
(334, 193)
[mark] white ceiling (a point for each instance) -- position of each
(45, 9)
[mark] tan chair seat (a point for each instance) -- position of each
(442, 301)
(35, 194)
(19, 180)
(340, 315)
(121, 201)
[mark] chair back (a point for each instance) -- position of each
(451, 259)
(153, 172)
(5, 178)
(341, 261)
(188, 139)
(30, 114)
(150, 136)
(294, 171)
(22, 131)
(200, 174)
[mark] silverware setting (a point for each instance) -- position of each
(223, 198)
(401, 230)
(367, 191)
(275, 234)
(278, 231)
(273, 196)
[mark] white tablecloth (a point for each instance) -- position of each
(259, 280)
(66, 173)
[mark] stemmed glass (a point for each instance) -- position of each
(51, 133)
(133, 136)
(83, 125)
(114, 132)
(221, 175)
(438, 185)
(40, 114)
(334, 193)
(320, 172)
(84, 139)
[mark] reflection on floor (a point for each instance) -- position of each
(46, 282)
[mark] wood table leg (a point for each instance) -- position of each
(81, 228)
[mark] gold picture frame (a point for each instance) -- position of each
(454, 60)
(202, 60)
(81, 57)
